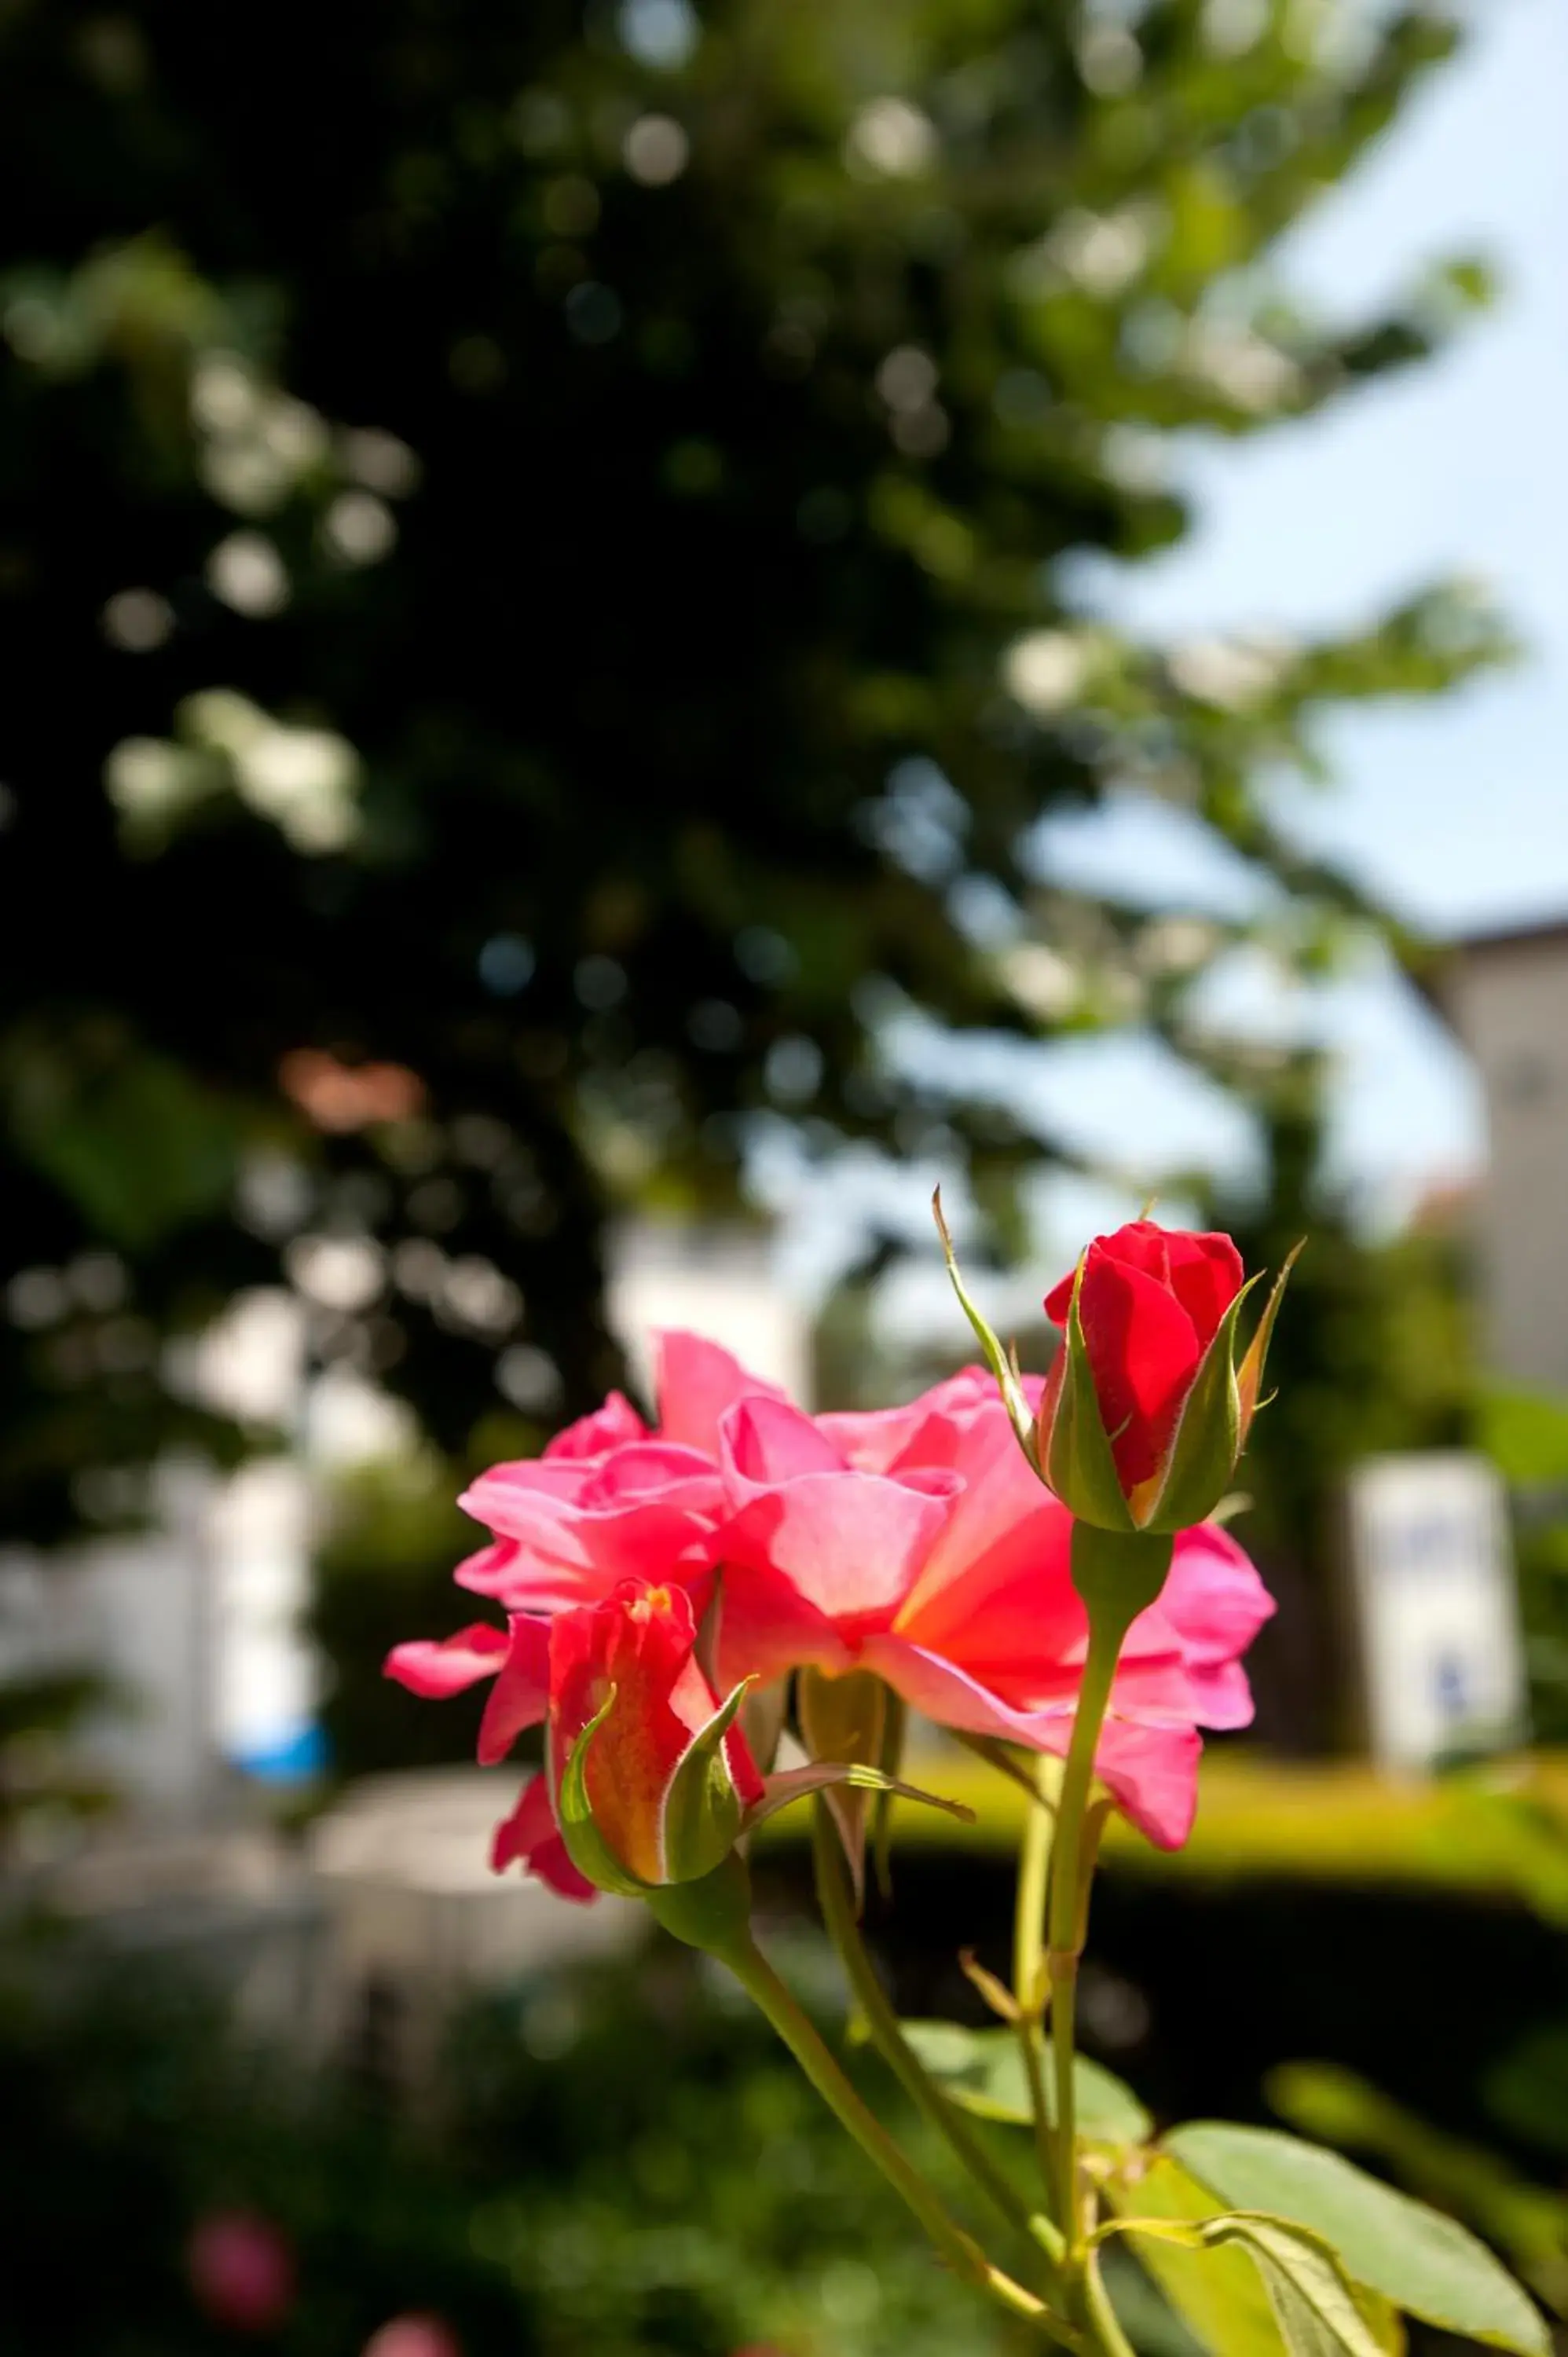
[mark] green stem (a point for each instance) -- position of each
(887, 2034)
(1030, 1955)
(1117, 1575)
(1094, 1695)
(1029, 1918)
(762, 1984)
(1110, 2341)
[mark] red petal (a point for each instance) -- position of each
(696, 1382)
(1204, 1272)
(445, 1668)
(530, 1835)
(1205, 1275)
(1143, 1354)
(594, 1435)
(521, 1694)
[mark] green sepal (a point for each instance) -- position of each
(892, 1760)
(1119, 1574)
(701, 1808)
(1008, 1380)
(845, 1719)
(713, 1914)
(1207, 1442)
(1077, 1457)
(826, 1775)
(585, 1846)
(1249, 1374)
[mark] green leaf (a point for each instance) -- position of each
(1314, 2304)
(1233, 2282)
(983, 2070)
(1413, 2256)
(1218, 2293)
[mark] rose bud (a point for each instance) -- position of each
(650, 1776)
(1147, 1406)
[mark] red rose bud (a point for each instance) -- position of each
(1147, 1406)
(651, 1778)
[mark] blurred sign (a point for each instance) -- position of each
(1432, 1585)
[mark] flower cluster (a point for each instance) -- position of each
(1039, 1567)
(652, 1578)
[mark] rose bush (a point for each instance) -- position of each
(1029, 1563)
(914, 1544)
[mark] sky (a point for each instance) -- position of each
(1455, 810)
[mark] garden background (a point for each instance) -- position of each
(675, 621)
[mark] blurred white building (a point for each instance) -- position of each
(1506, 997)
(196, 1627)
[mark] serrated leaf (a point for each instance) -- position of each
(1249, 2285)
(983, 2070)
(1218, 2294)
(1413, 2256)
(1312, 2299)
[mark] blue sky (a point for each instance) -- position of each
(1455, 810)
(1459, 812)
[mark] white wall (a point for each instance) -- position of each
(1510, 1004)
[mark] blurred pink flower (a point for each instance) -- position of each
(241, 2270)
(413, 2336)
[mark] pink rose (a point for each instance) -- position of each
(918, 1545)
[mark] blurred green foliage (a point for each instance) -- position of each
(612, 2160)
(1375, 1353)
(542, 560)
(383, 1570)
(1526, 1434)
(1527, 2221)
